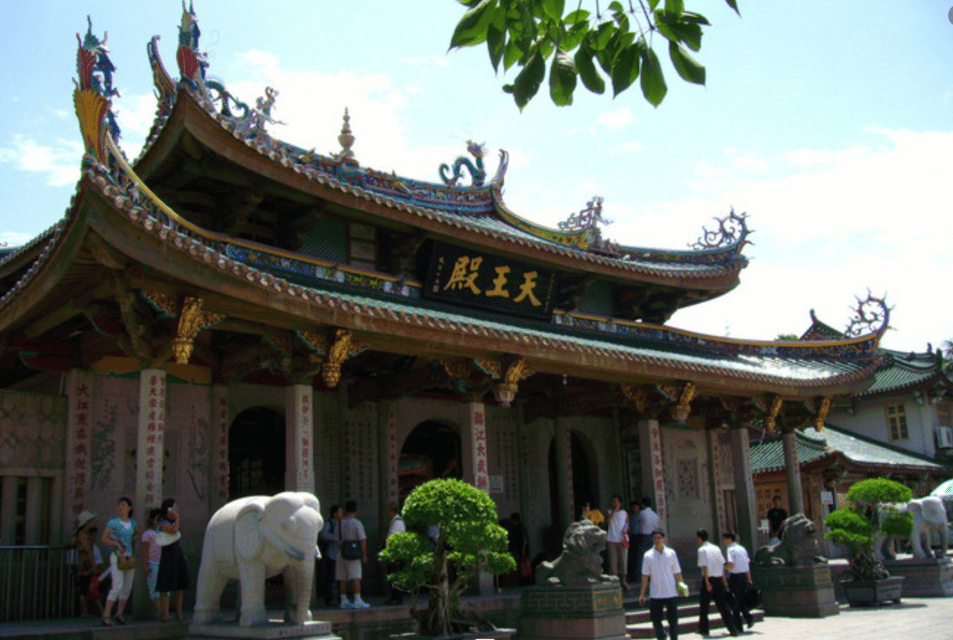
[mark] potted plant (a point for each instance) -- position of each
(467, 540)
(871, 510)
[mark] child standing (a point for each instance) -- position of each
(151, 552)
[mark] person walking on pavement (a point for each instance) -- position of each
(328, 539)
(396, 526)
(635, 543)
(661, 570)
(713, 587)
(352, 556)
(618, 529)
(738, 567)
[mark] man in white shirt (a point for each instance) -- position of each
(396, 526)
(738, 567)
(711, 562)
(661, 569)
(649, 521)
(618, 528)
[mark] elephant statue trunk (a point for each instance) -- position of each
(929, 515)
(255, 538)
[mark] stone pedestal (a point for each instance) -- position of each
(274, 630)
(924, 577)
(796, 592)
(573, 613)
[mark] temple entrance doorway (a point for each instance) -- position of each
(256, 453)
(432, 450)
(585, 486)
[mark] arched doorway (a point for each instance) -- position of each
(585, 487)
(256, 453)
(432, 450)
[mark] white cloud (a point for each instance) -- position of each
(60, 163)
(614, 119)
(14, 239)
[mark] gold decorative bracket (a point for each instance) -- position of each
(342, 347)
(505, 391)
(636, 395)
(771, 420)
(823, 406)
(192, 319)
(683, 409)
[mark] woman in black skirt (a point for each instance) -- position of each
(173, 570)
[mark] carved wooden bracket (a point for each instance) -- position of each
(505, 391)
(637, 395)
(683, 408)
(342, 347)
(771, 420)
(822, 406)
(192, 319)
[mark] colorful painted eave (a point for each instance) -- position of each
(800, 368)
(476, 209)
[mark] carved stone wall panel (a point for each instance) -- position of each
(33, 430)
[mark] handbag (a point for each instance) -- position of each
(164, 539)
(124, 563)
(752, 597)
(351, 550)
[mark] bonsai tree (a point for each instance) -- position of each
(468, 539)
(872, 510)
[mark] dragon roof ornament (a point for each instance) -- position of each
(588, 221)
(872, 316)
(477, 172)
(94, 91)
(732, 230)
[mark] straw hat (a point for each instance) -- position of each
(83, 518)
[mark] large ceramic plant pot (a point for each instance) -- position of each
(872, 593)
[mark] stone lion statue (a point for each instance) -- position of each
(798, 548)
(580, 563)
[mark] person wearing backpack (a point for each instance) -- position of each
(352, 548)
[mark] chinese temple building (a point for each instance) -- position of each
(229, 314)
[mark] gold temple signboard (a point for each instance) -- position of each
(485, 281)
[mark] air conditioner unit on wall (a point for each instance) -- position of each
(944, 437)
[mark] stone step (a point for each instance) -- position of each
(639, 625)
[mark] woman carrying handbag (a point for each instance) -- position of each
(120, 532)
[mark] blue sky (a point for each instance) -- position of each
(830, 125)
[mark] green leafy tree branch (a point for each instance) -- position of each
(576, 45)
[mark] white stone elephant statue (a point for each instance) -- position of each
(929, 515)
(255, 538)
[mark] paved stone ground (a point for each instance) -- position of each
(912, 619)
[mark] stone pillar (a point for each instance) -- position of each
(150, 448)
(793, 469)
(299, 438)
(653, 467)
(744, 489)
(564, 488)
(719, 510)
(79, 447)
(219, 425)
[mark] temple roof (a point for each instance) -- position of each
(832, 446)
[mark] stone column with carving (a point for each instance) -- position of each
(564, 485)
(715, 455)
(792, 468)
(150, 448)
(744, 489)
(653, 467)
(79, 444)
(299, 409)
(476, 417)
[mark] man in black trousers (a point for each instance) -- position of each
(711, 562)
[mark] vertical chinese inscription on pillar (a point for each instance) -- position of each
(302, 433)
(79, 463)
(658, 470)
(151, 446)
(481, 476)
(566, 435)
(714, 455)
(393, 455)
(220, 443)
